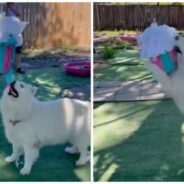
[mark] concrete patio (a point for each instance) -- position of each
(120, 91)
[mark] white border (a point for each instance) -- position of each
(92, 179)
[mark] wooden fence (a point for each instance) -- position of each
(131, 17)
(56, 24)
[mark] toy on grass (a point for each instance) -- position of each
(81, 68)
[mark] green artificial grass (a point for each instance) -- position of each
(138, 141)
(126, 65)
(53, 164)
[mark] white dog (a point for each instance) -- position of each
(174, 85)
(177, 80)
(31, 124)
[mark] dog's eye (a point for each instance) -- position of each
(177, 37)
(21, 85)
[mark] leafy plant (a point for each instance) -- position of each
(108, 52)
(124, 45)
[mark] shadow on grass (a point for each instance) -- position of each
(52, 81)
(145, 146)
(120, 117)
(50, 166)
(126, 65)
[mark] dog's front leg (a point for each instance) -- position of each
(31, 154)
(17, 152)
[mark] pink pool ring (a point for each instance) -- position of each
(129, 38)
(81, 68)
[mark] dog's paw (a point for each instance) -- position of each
(88, 159)
(24, 171)
(71, 150)
(9, 159)
(82, 162)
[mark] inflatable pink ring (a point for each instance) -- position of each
(81, 68)
(129, 38)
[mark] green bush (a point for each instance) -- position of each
(125, 45)
(108, 52)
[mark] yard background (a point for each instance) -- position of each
(56, 24)
(134, 139)
(136, 16)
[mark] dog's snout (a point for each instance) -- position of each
(14, 94)
(12, 91)
(177, 49)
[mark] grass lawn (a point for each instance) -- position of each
(126, 65)
(53, 164)
(139, 141)
(136, 141)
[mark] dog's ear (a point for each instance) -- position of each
(33, 89)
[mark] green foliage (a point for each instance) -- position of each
(108, 52)
(63, 49)
(124, 45)
(113, 33)
(27, 51)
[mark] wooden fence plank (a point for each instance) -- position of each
(110, 17)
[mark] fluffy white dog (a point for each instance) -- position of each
(31, 124)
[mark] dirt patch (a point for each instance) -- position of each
(42, 59)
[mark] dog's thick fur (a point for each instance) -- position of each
(31, 124)
(173, 86)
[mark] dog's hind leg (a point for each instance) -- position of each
(84, 156)
(17, 152)
(31, 154)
